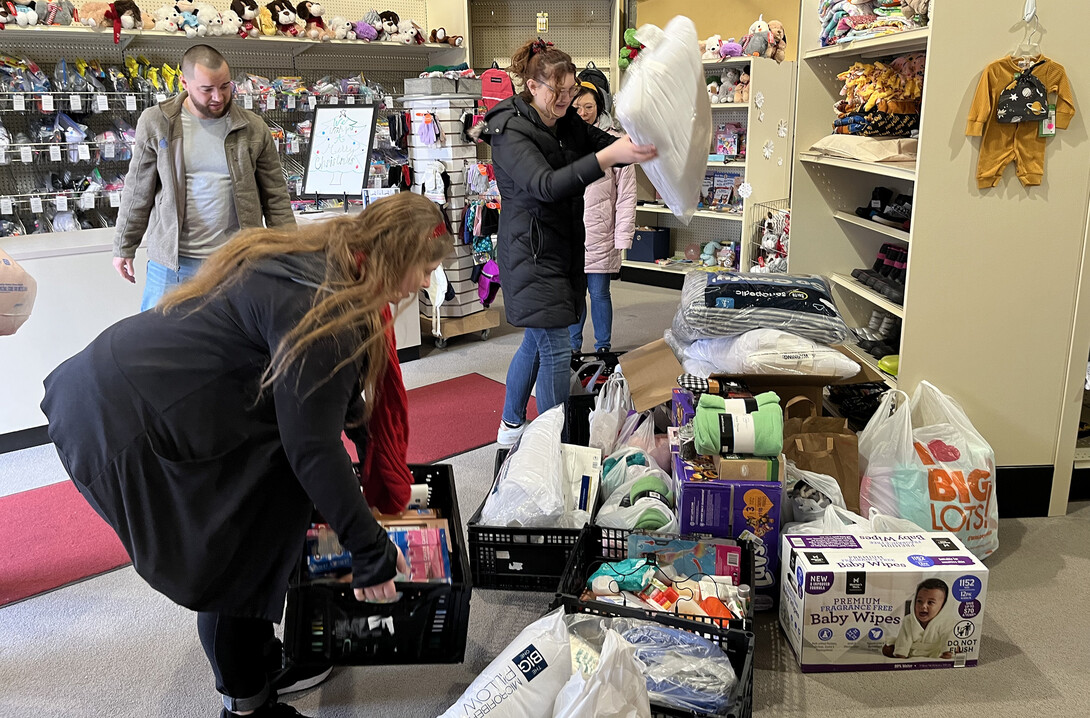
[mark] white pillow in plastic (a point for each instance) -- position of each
(524, 680)
(664, 102)
(766, 351)
(529, 490)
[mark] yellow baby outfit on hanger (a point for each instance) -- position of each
(1020, 142)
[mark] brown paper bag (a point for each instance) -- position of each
(17, 292)
(824, 445)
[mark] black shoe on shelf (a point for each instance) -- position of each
(879, 199)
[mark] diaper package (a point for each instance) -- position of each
(882, 601)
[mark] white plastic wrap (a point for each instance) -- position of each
(616, 689)
(800, 507)
(524, 680)
(619, 512)
(610, 409)
(664, 102)
(529, 490)
(766, 351)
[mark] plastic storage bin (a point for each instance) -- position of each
(649, 245)
(325, 624)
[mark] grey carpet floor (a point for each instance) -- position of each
(111, 646)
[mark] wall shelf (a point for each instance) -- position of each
(862, 290)
(872, 226)
(698, 213)
(894, 43)
(655, 267)
(865, 358)
(896, 170)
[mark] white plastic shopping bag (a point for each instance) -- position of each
(664, 102)
(525, 679)
(616, 689)
(611, 407)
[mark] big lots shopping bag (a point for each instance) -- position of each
(924, 461)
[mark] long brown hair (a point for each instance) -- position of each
(539, 60)
(367, 257)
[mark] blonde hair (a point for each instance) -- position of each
(367, 257)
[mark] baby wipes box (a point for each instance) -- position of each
(881, 601)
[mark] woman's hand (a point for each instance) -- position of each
(384, 592)
(624, 152)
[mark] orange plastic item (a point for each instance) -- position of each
(715, 608)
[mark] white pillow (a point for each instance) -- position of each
(766, 351)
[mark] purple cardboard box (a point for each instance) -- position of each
(682, 406)
(756, 508)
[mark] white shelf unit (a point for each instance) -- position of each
(770, 178)
(975, 322)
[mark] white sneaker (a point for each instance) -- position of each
(507, 435)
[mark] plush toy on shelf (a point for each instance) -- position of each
(247, 12)
(741, 90)
(757, 42)
(727, 82)
(409, 33)
(366, 31)
(210, 20)
(232, 24)
(713, 91)
(342, 29)
(265, 22)
(166, 18)
(730, 48)
(21, 15)
(283, 14)
(778, 38)
(916, 10)
(708, 254)
(390, 21)
(440, 36)
(188, 22)
(55, 12)
(311, 14)
(120, 15)
(711, 48)
(630, 50)
(725, 256)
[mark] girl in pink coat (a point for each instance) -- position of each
(610, 218)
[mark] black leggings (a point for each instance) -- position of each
(236, 649)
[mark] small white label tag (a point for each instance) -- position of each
(26, 155)
(312, 101)
(350, 100)
(54, 153)
(61, 203)
(130, 103)
(47, 103)
(115, 199)
(18, 103)
(160, 97)
(248, 102)
(83, 151)
(108, 150)
(333, 99)
(36, 204)
(87, 200)
(291, 102)
(5, 205)
(103, 102)
(75, 102)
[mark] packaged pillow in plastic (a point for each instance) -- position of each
(525, 679)
(529, 489)
(726, 304)
(664, 102)
(766, 351)
(682, 670)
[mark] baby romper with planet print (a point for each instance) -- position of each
(1003, 142)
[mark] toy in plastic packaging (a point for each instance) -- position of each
(924, 461)
(525, 679)
(664, 102)
(681, 669)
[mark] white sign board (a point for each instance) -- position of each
(339, 158)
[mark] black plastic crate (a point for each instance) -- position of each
(515, 558)
(735, 643)
(325, 624)
(598, 545)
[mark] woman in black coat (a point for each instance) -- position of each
(207, 431)
(544, 156)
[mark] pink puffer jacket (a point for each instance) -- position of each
(610, 218)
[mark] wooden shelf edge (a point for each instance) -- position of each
(652, 266)
(872, 226)
(868, 294)
(862, 356)
(896, 42)
(899, 170)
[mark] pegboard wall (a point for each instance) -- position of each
(583, 29)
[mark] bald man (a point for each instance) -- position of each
(202, 168)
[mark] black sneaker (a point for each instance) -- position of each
(897, 213)
(879, 198)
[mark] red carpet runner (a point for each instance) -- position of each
(50, 536)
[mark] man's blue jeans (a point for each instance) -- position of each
(601, 315)
(162, 279)
(544, 358)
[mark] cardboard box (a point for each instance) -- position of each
(429, 86)
(854, 603)
(709, 505)
(652, 372)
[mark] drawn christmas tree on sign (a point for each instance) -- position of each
(338, 148)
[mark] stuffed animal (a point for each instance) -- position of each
(756, 43)
(630, 50)
(166, 18)
(55, 12)
(916, 10)
(727, 83)
(342, 29)
(455, 40)
(730, 48)
(311, 15)
(188, 22)
(390, 21)
(366, 31)
(711, 48)
(120, 15)
(778, 35)
(210, 19)
(283, 14)
(247, 13)
(265, 22)
(724, 256)
(713, 91)
(741, 90)
(707, 256)
(232, 24)
(24, 15)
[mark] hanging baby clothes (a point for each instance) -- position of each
(1022, 142)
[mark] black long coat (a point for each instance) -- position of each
(541, 177)
(209, 487)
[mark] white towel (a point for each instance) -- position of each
(915, 641)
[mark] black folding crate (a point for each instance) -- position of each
(735, 643)
(598, 545)
(517, 558)
(325, 624)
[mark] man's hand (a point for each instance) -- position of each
(123, 265)
(383, 592)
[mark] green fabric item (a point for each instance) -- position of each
(767, 431)
(714, 401)
(636, 459)
(651, 520)
(651, 482)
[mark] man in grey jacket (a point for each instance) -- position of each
(202, 169)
